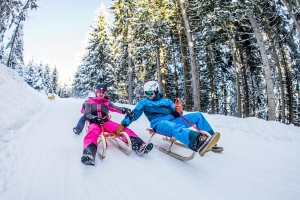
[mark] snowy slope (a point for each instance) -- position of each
(40, 157)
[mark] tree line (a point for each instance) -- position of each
(237, 58)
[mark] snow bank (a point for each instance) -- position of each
(17, 100)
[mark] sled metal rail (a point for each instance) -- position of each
(108, 135)
(168, 151)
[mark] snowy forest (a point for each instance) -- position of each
(229, 57)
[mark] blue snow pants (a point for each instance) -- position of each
(81, 123)
(178, 127)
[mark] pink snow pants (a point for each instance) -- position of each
(95, 129)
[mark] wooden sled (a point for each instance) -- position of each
(173, 141)
(168, 151)
(105, 135)
(86, 126)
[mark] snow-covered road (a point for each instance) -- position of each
(42, 161)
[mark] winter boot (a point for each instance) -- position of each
(217, 149)
(76, 131)
(136, 143)
(209, 143)
(145, 148)
(139, 146)
(200, 143)
(89, 154)
(87, 159)
(196, 140)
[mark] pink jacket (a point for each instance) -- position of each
(100, 107)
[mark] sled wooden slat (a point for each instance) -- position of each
(112, 138)
(169, 151)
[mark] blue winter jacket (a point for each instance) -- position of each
(155, 110)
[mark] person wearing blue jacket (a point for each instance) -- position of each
(165, 119)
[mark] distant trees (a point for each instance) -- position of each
(245, 53)
(238, 58)
(41, 77)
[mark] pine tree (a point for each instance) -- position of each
(55, 77)
(8, 11)
(96, 64)
(15, 56)
(47, 81)
(29, 73)
(38, 77)
(16, 42)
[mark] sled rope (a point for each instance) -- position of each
(193, 126)
(177, 101)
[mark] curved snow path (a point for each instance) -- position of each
(43, 163)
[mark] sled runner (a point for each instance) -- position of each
(107, 134)
(212, 140)
(86, 126)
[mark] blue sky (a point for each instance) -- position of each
(55, 32)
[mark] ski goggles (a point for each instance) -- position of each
(100, 90)
(149, 93)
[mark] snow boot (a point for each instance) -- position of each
(87, 159)
(89, 154)
(76, 131)
(202, 144)
(217, 149)
(136, 143)
(206, 144)
(145, 148)
(139, 146)
(196, 140)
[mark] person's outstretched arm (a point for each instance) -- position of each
(136, 113)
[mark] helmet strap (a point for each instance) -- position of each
(156, 91)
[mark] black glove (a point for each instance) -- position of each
(97, 120)
(127, 112)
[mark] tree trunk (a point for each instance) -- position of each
(266, 65)
(211, 81)
(254, 98)
(275, 55)
(130, 81)
(297, 123)
(246, 88)
(195, 72)
(175, 66)
(288, 84)
(9, 59)
(158, 68)
(22, 17)
(293, 16)
(186, 68)
(186, 74)
(176, 79)
(160, 72)
(237, 75)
